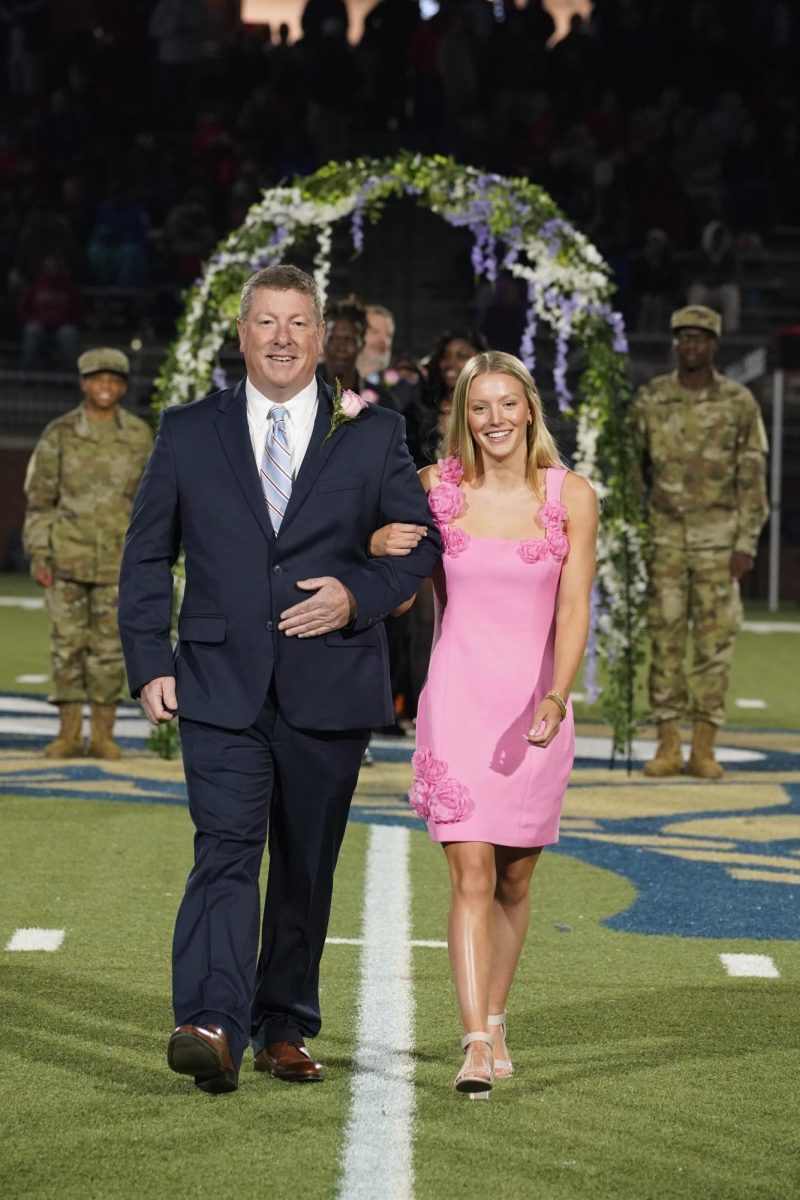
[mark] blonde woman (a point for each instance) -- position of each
(495, 737)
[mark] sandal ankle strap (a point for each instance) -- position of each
(497, 1019)
(477, 1036)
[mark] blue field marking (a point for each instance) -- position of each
(686, 872)
(684, 897)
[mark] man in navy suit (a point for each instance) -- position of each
(280, 669)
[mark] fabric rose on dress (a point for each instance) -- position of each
(455, 542)
(551, 515)
(446, 503)
(352, 404)
(450, 469)
(433, 794)
(449, 801)
(558, 544)
(419, 798)
(426, 767)
(532, 550)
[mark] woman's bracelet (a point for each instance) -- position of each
(559, 702)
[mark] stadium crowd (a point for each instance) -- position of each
(142, 134)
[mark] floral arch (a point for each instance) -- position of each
(516, 226)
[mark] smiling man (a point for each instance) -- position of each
(280, 670)
(702, 449)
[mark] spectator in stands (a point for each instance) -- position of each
(714, 275)
(117, 251)
(50, 309)
(189, 235)
(655, 281)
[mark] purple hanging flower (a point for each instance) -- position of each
(357, 227)
(620, 343)
(527, 347)
(219, 378)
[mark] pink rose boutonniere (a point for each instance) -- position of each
(347, 404)
(391, 377)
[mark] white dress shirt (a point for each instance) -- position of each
(300, 411)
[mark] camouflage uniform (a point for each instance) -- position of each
(702, 457)
(80, 485)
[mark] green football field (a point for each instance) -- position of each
(645, 1069)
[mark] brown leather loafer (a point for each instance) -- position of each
(292, 1064)
(203, 1051)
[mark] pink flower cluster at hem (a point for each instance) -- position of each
(434, 794)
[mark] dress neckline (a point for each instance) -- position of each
(480, 537)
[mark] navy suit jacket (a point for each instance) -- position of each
(201, 490)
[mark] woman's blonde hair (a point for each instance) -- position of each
(458, 439)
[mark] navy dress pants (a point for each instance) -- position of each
(290, 788)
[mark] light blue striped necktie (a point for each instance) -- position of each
(276, 466)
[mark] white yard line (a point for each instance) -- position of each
(30, 602)
(378, 1154)
(36, 939)
(744, 703)
(771, 626)
(424, 942)
(750, 965)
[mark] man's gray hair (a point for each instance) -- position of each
(381, 310)
(281, 278)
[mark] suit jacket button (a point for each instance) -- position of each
(270, 626)
(277, 570)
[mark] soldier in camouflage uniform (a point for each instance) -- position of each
(80, 485)
(702, 451)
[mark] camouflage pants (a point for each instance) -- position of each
(690, 587)
(84, 642)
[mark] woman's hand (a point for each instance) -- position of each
(546, 724)
(396, 540)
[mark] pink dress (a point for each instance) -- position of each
(476, 778)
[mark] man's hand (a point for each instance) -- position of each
(331, 607)
(43, 576)
(159, 700)
(396, 540)
(740, 564)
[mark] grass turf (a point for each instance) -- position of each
(91, 1109)
(644, 1072)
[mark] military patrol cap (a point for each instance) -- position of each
(103, 359)
(696, 316)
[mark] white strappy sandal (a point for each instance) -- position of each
(477, 1082)
(503, 1067)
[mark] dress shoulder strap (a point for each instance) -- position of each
(553, 482)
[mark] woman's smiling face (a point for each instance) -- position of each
(498, 415)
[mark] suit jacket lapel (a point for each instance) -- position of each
(231, 425)
(317, 454)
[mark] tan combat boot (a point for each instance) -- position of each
(668, 759)
(69, 743)
(101, 728)
(701, 760)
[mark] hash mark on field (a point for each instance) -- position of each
(426, 942)
(750, 965)
(378, 1133)
(743, 703)
(36, 939)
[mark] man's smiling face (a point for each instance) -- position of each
(281, 342)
